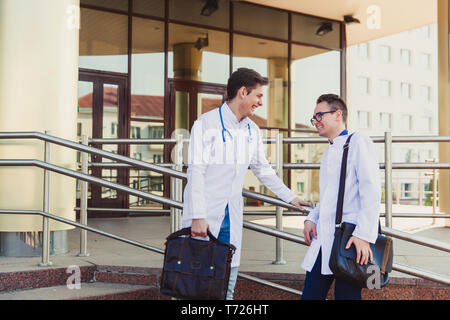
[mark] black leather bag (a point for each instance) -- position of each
(194, 268)
(373, 275)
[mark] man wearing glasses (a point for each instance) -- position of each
(361, 201)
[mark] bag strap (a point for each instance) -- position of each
(340, 202)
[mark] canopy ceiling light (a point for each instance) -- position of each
(209, 8)
(201, 43)
(324, 28)
(350, 19)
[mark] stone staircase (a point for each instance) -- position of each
(136, 283)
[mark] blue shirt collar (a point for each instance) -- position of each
(343, 133)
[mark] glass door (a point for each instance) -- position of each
(102, 113)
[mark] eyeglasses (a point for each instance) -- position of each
(318, 116)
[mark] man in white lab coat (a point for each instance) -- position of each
(362, 198)
(224, 142)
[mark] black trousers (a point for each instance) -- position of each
(317, 285)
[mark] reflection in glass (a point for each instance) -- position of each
(316, 31)
(207, 102)
(260, 20)
(181, 110)
(110, 117)
(192, 52)
(85, 104)
(84, 119)
(305, 183)
(147, 104)
(211, 13)
(111, 4)
(144, 180)
(109, 175)
(103, 41)
(110, 130)
(154, 8)
(313, 72)
(269, 58)
(147, 69)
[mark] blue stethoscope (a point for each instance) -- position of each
(225, 130)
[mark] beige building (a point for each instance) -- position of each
(393, 86)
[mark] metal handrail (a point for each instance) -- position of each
(394, 233)
(395, 165)
(301, 166)
(263, 213)
(248, 225)
(88, 178)
(91, 150)
(130, 161)
(84, 227)
(289, 140)
(131, 242)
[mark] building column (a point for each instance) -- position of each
(38, 92)
(443, 13)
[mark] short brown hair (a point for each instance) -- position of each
(335, 102)
(243, 77)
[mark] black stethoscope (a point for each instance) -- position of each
(225, 130)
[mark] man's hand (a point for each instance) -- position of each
(310, 228)
(363, 252)
(199, 228)
(299, 203)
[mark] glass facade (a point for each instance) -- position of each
(176, 57)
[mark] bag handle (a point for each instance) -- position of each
(187, 232)
(340, 203)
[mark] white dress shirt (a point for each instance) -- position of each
(361, 198)
(217, 169)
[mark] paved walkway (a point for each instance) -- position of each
(258, 249)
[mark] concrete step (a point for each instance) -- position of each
(139, 283)
(86, 291)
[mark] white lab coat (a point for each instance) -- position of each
(216, 172)
(361, 199)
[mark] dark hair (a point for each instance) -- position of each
(243, 77)
(335, 102)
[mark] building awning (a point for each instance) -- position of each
(395, 16)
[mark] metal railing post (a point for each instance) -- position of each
(46, 208)
(84, 200)
(434, 187)
(176, 185)
(279, 211)
(420, 189)
(388, 178)
(178, 182)
(173, 227)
